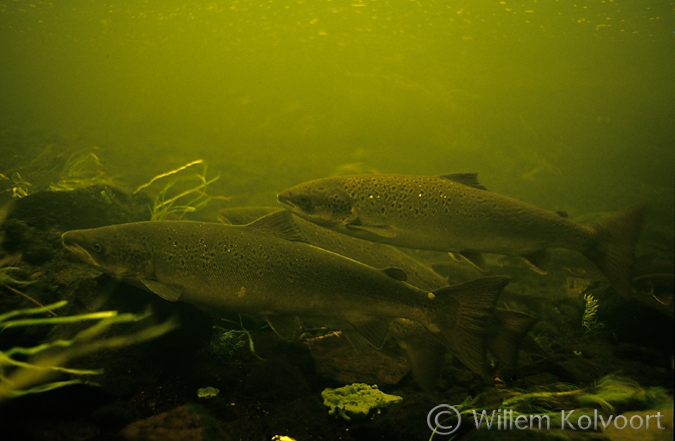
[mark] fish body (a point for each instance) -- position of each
(454, 213)
(266, 268)
(229, 268)
(503, 332)
(374, 254)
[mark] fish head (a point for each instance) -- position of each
(322, 202)
(110, 250)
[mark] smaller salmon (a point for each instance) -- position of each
(454, 213)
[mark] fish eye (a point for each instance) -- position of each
(304, 202)
(97, 247)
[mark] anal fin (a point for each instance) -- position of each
(356, 340)
(375, 331)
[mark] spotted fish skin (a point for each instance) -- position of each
(266, 268)
(455, 213)
(237, 268)
(503, 330)
(371, 253)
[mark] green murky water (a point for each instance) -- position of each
(566, 105)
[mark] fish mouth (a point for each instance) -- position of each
(284, 198)
(287, 200)
(77, 249)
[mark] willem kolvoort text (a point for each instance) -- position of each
(504, 420)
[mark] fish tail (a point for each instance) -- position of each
(425, 354)
(462, 318)
(614, 249)
(512, 326)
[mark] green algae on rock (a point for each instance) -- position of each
(356, 400)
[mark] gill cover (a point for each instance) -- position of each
(323, 203)
(110, 252)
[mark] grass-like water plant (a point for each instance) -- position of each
(31, 370)
(182, 194)
(20, 187)
(82, 169)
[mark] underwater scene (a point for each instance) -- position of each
(337, 220)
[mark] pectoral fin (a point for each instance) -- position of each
(168, 292)
(377, 230)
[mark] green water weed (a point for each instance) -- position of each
(43, 361)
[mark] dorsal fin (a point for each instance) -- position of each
(470, 179)
(396, 273)
(244, 215)
(279, 224)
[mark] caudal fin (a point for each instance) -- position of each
(462, 316)
(505, 337)
(424, 352)
(615, 247)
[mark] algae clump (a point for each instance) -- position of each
(208, 392)
(356, 400)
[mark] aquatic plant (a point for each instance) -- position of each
(172, 203)
(82, 169)
(590, 318)
(228, 341)
(19, 377)
(6, 280)
(47, 171)
(20, 187)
